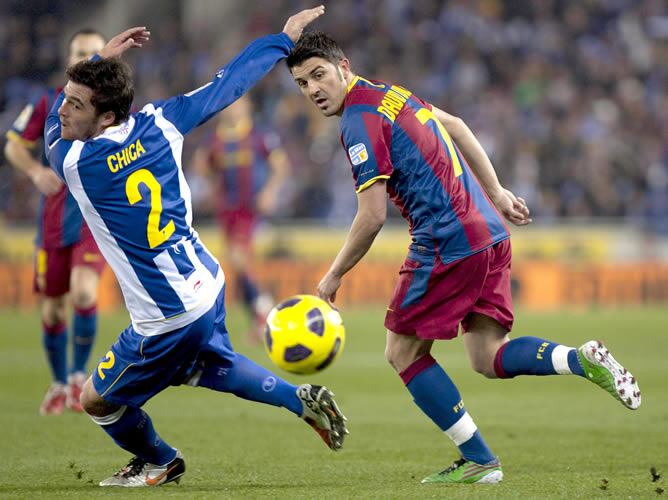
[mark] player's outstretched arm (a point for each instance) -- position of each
(369, 220)
(513, 208)
(237, 77)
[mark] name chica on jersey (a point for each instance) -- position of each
(126, 156)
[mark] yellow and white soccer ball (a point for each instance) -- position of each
(304, 334)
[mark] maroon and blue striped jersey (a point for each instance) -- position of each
(240, 156)
(59, 220)
(389, 133)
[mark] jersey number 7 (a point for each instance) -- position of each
(424, 115)
(155, 235)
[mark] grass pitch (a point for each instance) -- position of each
(558, 437)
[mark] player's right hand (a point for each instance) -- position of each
(296, 24)
(130, 38)
(513, 208)
(46, 181)
(328, 287)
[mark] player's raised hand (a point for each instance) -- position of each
(513, 208)
(46, 181)
(296, 24)
(130, 38)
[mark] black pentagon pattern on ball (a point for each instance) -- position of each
(296, 353)
(288, 303)
(267, 337)
(315, 322)
(331, 355)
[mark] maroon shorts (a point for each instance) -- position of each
(53, 267)
(432, 299)
(238, 225)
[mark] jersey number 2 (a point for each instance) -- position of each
(424, 115)
(155, 235)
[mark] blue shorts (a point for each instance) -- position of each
(138, 367)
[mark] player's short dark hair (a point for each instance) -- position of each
(315, 44)
(85, 31)
(111, 83)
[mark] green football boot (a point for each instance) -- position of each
(464, 471)
(602, 369)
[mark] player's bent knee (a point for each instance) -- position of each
(83, 287)
(92, 403)
(390, 357)
(83, 299)
(395, 356)
(53, 311)
(403, 351)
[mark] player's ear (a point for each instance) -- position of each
(344, 65)
(107, 119)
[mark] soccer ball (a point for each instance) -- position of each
(304, 334)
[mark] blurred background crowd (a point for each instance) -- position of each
(569, 98)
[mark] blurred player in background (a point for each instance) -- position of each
(67, 258)
(125, 172)
(458, 265)
(251, 167)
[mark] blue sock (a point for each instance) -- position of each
(534, 356)
(131, 429)
(83, 330)
(437, 396)
(55, 344)
(247, 380)
(249, 290)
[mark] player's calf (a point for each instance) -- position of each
(322, 413)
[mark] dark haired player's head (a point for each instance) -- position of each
(83, 44)
(98, 95)
(321, 71)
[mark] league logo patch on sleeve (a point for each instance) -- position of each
(358, 154)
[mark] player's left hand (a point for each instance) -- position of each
(328, 286)
(130, 38)
(513, 208)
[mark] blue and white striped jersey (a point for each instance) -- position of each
(130, 186)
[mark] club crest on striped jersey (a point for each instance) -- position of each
(358, 154)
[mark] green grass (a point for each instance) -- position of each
(556, 436)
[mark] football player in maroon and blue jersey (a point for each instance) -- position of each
(67, 258)
(458, 267)
(250, 166)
